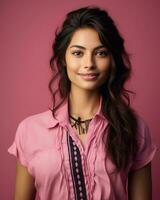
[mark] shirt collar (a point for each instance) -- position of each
(61, 115)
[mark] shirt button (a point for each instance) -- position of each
(79, 182)
(77, 170)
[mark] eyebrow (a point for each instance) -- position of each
(81, 47)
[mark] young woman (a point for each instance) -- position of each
(91, 145)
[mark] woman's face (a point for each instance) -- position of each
(87, 60)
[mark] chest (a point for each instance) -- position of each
(81, 136)
(51, 166)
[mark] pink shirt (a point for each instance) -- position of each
(53, 155)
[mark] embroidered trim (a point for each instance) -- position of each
(76, 170)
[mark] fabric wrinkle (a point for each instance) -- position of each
(59, 146)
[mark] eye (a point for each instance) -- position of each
(77, 53)
(102, 53)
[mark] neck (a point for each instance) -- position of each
(83, 104)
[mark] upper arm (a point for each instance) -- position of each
(24, 187)
(24, 184)
(140, 184)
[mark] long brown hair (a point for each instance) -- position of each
(122, 129)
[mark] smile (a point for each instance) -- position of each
(89, 74)
(89, 77)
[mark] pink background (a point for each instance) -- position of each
(27, 32)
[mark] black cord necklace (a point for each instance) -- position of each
(77, 123)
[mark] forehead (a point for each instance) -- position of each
(86, 37)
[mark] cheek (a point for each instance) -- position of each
(72, 66)
(71, 71)
(103, 64)
(104, 70)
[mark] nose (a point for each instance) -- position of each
(89, 61)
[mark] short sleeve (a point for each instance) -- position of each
(146, 147)
(17, 148)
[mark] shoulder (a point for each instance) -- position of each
(146, 145)
(143, 126)
(34, 132)
(36, 126)
(39, 120)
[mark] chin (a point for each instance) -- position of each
(86, 86)
(90, 88)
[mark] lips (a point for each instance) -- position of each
(89, 76)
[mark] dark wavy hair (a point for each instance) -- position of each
(121, 142)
